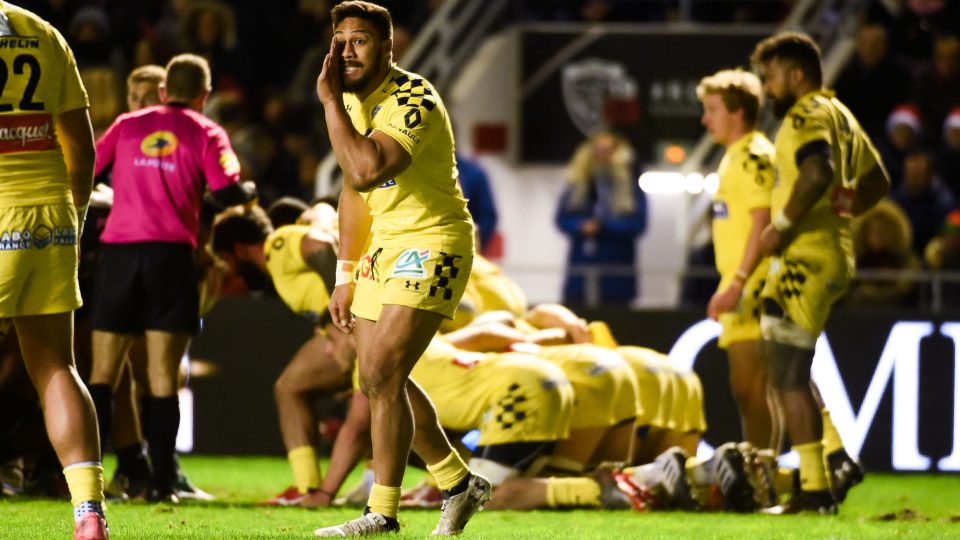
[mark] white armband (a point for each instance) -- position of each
(781, 222)
(344, 273)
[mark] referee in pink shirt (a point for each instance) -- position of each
(162, 159)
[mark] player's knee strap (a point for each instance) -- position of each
(786, 332)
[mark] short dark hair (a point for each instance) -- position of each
(286, 211)
(377, 15)
(247, 226)
(795, 47)
(188, 76)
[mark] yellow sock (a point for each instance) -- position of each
(572, 492)
(813, 476)
(601, 335)
(384, 499)
(306, 470)
(430, 480)
(449, 472)
(831, 437)
(85, 481)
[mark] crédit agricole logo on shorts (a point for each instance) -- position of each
(410, 263)
(156, 146)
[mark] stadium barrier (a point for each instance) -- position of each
(891, 379)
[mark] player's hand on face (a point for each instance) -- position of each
(340, 302)
(771, 240)
(330, 81)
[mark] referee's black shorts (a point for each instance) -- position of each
(146, 286)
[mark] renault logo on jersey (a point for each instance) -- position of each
(159, 144)
(410, 263)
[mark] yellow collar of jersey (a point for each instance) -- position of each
(377, 95)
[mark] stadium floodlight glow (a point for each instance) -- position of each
(662, 182)
(711, 183)
(675, 182)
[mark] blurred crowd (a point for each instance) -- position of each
(903, 85)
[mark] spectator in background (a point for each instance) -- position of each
(209, 30)
(943, 253)
(480, 201)
(882, 240)
(873, 83)
(937, 89)
(99, 63)
(903, 134)
(949, 160)
(923, 197)
(603, 212)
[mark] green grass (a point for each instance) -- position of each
(240, 482)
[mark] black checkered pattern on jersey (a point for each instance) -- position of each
(414, 93)
(444, 272)
(509, 409)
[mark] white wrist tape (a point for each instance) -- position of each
(781, 222)
(344, 274)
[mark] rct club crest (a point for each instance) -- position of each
(411, 262)
(586, 87)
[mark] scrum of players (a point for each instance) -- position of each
(557, 413)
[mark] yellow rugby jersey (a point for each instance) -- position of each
(491, 290)
(300, 287)
(746, 181)
(40, 81)
(425, 199)
(821, 116)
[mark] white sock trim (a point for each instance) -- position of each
(83, 464)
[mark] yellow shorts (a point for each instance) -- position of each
(533, 403)
(427, 275)
(805, 281)
(644, 363)
(604, 385)
(38, 260)
(743, 322)
(509, 397)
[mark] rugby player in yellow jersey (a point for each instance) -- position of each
(300, 260)
(393, 142)
(827, 170)
(741, 210)
(46, 160)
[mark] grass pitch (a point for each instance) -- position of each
(885, 506)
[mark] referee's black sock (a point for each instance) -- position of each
(163, 421)
(132, 461)
(102, 395)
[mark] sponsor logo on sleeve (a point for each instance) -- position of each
(389, 183)
(229, 163)
(411, 263)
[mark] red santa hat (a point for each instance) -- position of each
(904, 114)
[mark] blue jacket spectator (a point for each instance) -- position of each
(924, 197)
(480, 201)
(603, 212)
